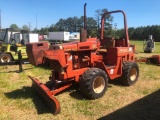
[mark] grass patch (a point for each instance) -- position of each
(19, 101)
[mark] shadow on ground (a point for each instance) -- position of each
(147, 108)
(77, 94)
(40, 103)
(15, 71)
(28, 92)
(6, 69)
(115, 82)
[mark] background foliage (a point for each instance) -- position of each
(142, 32)
(74, 24)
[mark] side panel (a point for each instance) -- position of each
(35, 52)
(89, 45)
(57, 55)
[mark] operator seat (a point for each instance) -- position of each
(107, 42)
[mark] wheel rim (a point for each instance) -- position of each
(98, 84)
(5, 59)
(133, 74)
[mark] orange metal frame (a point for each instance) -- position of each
(71, 66)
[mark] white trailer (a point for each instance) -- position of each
(59, 36)
(74, 36)
(30, 37)
(8, 36)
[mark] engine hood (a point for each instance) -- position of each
(90, 44)
(65, 46)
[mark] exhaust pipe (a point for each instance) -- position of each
(85, 18)
(83, 32)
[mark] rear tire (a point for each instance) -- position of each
(130, 73)
(93, 83)
(5, 58)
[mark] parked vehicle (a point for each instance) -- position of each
(90, 63)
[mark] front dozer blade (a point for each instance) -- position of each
(47, 96)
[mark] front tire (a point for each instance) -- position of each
(5, 58)
(130, 73)
(93, 83)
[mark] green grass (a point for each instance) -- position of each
(20, 102)
(139, 46)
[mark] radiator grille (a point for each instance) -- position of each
(55, 65)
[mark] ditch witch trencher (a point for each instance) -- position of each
(90, 62)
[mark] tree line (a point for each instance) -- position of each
(141, 33)
(74, 24)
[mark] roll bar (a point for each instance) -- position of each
(125, 25)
